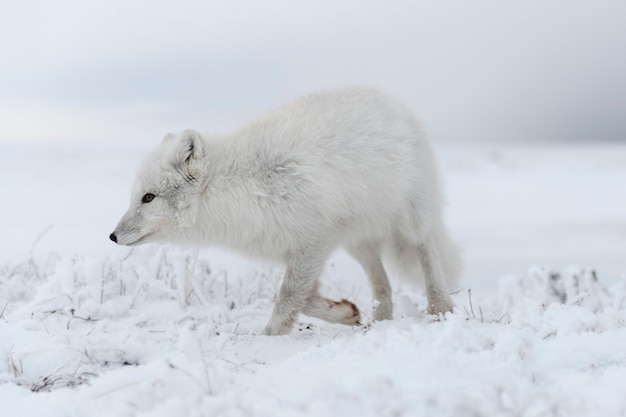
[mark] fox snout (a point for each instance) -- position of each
(113, 237)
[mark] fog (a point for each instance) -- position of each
(473, 71)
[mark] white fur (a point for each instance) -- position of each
(350, 168)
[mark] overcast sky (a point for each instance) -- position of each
(473, 70)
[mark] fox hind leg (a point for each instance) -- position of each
(368, 255)
(439, 301)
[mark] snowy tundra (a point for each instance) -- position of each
(349, 169)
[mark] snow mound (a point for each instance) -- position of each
(160, 332)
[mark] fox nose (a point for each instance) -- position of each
(113, 237)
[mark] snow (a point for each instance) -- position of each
(89, 328)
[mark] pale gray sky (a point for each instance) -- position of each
(479, 70)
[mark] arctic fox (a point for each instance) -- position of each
(349, 168)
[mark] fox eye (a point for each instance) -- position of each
(147, 198)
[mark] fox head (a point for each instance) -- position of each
(166, 196)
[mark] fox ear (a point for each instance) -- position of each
(187, 152)
(189, 146)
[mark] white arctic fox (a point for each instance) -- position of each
(349, 168)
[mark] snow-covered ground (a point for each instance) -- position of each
(90, 328)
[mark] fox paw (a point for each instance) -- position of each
(440, 306)
(347, 312)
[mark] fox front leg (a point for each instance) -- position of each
(299, 283)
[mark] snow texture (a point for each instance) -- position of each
(159, 331)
